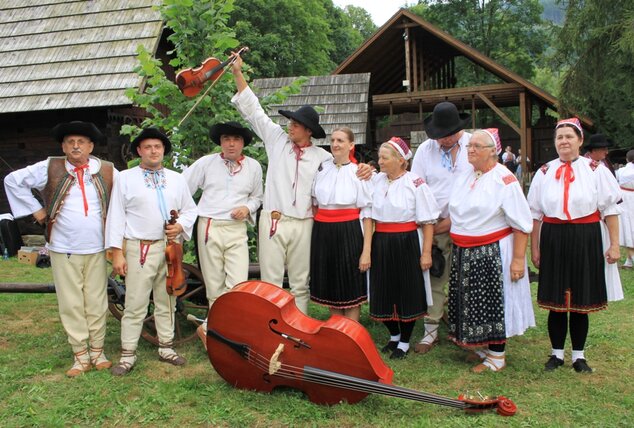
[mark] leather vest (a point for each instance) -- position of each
(60, 181)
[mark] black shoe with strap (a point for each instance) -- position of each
(398, 354)
(581, 366)
(390, 347)
(553, 363)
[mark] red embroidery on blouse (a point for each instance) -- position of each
(594, 164)
(544, 168)
(418, 182)
(509, 179)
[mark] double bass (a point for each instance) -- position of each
(257, 339)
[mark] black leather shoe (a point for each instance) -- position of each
(398, 354)
(390, 347)
(581, 366)
(553, 363)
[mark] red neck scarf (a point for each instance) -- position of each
(79, 173)
(569, 176)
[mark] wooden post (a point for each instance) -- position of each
(408, 63)
(523, 133)
(473, 112)
(414, 83)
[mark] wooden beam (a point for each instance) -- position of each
(473, 112)
(497, 89)
(414, 83)
(523, 134)
(499, 112)
(408, 62)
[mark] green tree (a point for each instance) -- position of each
(287, 37)
(361, 20)
(596, 46)
(198, 30)
(344, 37)
(510, 32)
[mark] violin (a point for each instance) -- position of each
(192, 80)
(176, 280)
(257, 339)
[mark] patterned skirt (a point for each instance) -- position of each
(571, 268)
(335, 279)
(476, 296)
(397, 285)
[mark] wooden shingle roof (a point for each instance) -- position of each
(61, 54)
(342, 100)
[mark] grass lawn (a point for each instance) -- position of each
(34, 391)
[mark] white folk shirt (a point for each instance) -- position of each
(223, 192)
(340, 188)
(427, 164)
(405, 199)
(73, 232)
(590, 191)
(488, 204)
(625, 176)
(135, 212)
(280, 192)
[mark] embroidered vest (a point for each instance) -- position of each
(60, 181)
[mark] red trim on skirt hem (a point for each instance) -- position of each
(580, 310)
(476, 345)
(351, 304)
(392, 318)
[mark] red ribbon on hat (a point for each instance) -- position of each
(569, 177)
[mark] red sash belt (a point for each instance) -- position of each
(395, 227)
(627, 189)
(477, 241)
(336, 216)
(592, 218)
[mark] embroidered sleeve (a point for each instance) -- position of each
(508, 179)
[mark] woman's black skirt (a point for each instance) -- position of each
(335, 279)
(397, 287)
(476, 296)
(571, 268)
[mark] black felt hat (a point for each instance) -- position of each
(445, 121)
(87, 129)
(598, 141)
(151, 133)
(307, 116)
(230, 128)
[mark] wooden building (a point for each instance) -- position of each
(64, 60)
(413, 66)
(342, 100)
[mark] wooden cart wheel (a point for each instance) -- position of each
(193, 302)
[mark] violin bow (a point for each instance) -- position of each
(224, 69)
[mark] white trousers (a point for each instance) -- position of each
(140, 281)
(80, 284)
(289, 248)
(224, 257)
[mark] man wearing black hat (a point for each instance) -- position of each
(287, 217)
(76, 189)
(232, 193)
(438, 161)
(597, 150)
(136, 231)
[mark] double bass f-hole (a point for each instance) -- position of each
(297, 341)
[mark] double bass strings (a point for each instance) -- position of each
(338, 380)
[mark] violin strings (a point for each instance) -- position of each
(350, 383)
